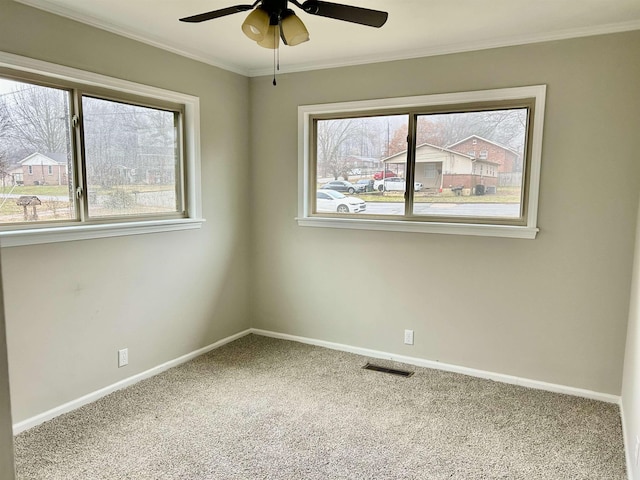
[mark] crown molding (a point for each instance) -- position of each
(457, 48)
(359, 60)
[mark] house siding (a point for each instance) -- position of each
(40, 175)
(468, 181)
(505, 158)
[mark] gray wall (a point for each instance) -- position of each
(552, 309)
(70, 306)
(631, 378)
(6, 437)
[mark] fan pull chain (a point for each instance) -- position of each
(276, 51)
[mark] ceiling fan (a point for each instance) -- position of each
(271, 20)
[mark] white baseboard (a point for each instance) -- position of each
(92, 397)
(628, 444)
(525, 382)
(419, 362)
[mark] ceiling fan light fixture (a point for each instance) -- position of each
(272, 38)
(256, 25)
(293, 30)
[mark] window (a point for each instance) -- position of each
(429, 170)
(484, 155)
(126, 155)
(437, 185)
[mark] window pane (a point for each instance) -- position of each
(132, 159)
(470, 164)
(35, 154)
(351, 165)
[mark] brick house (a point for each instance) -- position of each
(483, 149)
(439, 167)
(40, 169)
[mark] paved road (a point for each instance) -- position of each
(447, 209)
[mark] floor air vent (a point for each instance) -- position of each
(393, 371)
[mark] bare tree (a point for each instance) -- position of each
(121, 139)
(333, 137)
(501, 126)
(340, 140)
(4, 168)
(35, 118)
(5, 124)
(106, 144)
(506, 127)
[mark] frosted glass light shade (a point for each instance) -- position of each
(272, 38)
(256, 25)
(293, 30)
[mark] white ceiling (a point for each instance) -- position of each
(415, 28)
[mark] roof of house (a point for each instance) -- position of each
(422, 145)
(478, 137)
(442, 149)
(38, 158)
(364, 159)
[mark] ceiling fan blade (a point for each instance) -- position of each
(348, 13)
(201, 17)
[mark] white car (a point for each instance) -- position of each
(394, 184)
(330, 201)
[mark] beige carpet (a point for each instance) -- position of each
(261, 408)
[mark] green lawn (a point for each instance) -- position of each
(63, 190)
(36, 190)
(55, 210)
(503, 195)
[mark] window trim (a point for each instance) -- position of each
(192, 163)
(527, 231)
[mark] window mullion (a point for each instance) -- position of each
(79, 184)
(409, 173)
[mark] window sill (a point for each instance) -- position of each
(507, 231)
(68, 233)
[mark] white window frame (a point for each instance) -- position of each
(79, 231)
(527, 231)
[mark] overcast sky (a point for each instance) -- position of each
(7, 86)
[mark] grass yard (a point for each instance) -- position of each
(503, 195)
(53, 209)
(63, 190)
(51, 190)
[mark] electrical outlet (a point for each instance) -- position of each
(123, 357)
(637, 450)
(408, 337)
